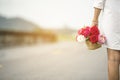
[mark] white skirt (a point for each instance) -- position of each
(111, 28)
(110, 22)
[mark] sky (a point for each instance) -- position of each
(50, 13)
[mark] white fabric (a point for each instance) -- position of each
(110, 21)
(99, 4)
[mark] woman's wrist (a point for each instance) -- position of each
(95, 22)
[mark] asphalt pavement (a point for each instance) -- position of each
(58, 61)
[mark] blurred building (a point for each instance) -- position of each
(17, 31)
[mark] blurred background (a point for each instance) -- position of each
(38, 21)
(38, 41)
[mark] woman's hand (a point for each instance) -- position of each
(94, 23)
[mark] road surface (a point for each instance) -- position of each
(59, 61)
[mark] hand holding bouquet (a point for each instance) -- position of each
(92, 36)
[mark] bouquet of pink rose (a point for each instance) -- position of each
(92, 36)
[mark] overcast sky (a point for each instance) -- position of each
(50, 13)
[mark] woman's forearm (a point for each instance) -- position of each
(96, 14)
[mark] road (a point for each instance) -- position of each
(58, 61)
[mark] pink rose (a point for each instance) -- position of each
(101, 39)
(80, 31)
(84, 31)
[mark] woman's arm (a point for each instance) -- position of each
(98, 6)
(96, 16)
